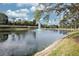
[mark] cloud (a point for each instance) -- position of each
(17, 13)
(25, 18)
(22, 18)
(33, 8)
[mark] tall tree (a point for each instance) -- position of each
(70, 10)
(37, 15)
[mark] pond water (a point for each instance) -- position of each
(27, 43)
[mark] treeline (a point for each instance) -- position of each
(4, 21)
(49, 26)
(73, 23)
(28, 23)
(31, 23)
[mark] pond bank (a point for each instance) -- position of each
(52, 50)
(16, 29)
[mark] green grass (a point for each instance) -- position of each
(15, 29)
(67, 47)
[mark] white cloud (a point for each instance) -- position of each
(18, 13)
(22, 18)
(33, 8)
(26, 18)
(22, 11)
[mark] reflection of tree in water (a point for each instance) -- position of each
(32, 41)
(35, 48)
(55, 30)
(34, 34)
(36, 43)
(22, 33)
(63, 31)
(3, 37)
(13, 37)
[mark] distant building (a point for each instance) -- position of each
(3, 19)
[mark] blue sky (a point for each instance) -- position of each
(23, 11)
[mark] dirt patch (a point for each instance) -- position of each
(76, 39)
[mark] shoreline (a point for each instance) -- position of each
(47, 50)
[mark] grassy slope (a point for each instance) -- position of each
(68, 47)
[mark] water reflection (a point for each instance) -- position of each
(63, 32)
(27, 42)
(3, 37)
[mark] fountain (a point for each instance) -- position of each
(39, 26)
(39, 23)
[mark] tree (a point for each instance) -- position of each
(34, 22)
(37, 15)
(3, 18)
(70, 10)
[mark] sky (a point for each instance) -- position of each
(24, 11)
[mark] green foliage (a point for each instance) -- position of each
(69, 10)
(49, 26)
(3, 18)
(37, 15)
(69, 24)
(28, 23)
(3, 37)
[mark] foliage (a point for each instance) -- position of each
(70, 11)
(37, 15)
(3, 18)
(49, 26)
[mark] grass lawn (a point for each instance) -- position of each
(69, 46)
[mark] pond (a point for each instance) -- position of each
(27, 43)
